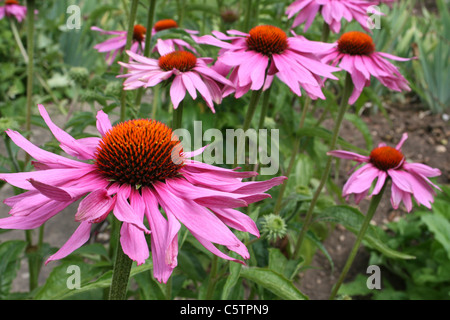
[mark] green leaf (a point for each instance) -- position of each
(274, 282)
(440, 228)
(10, 252)
(56, 288)
(280, 264)
(232, 279)
(105, 280)
(352, 219)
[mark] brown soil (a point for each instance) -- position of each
(428, 143)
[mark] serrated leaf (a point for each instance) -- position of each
(10, 252)
(274, 282)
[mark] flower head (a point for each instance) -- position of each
(333, 11)
(117, 44)
(408, 179)
(273, 226)
(186, 71)
(266, 51)
(355, 53)
(12, 8)
(135, 169)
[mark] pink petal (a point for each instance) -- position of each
(78, 238)
(177, 91)
(348, 155)
(125, 213)
(163, 238)
(95, 205)
(103, 123)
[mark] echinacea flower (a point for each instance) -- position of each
(266, 51)
(332, 11)
(355, 53)
(408, 179)
(12, 8)
(176, 43)
(135, 169)
(186, 71)
(116, 45)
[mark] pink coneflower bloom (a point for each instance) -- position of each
(333, 11)
(355, 53)
(116, 45)
(185, 70)
(12, 8)
(178, 44)
(133, 170)
(408, 179)
(267, 50)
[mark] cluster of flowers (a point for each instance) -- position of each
(134, 177)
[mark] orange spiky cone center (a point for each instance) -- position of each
(180, 60)
(385, 158)
(356, 43)
(267, 40)
(139, 153)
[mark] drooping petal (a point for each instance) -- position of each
(95, 205)
(78, 238)
(163, 238)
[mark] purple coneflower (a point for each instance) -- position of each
(355, 53)
(186, 71)
(12, 8)
(116, 45)
(134, 170)
(266, 51)
(408, 179)
(332, 11)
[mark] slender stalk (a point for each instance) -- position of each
(212, 279)
(277, 208)
(265, 107)
(148, 38)
(120, 276)
(248, 16)
(30, 65)
(133, 11)
(178, 116)
(155, 102)
(32, 264)
(337, 126)
(256, 94)
(325, 32)
(262, 117)
(370, 213)
(19, 41)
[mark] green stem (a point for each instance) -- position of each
(277, 208)
(148, 38)
(265, 107)
(212, 279)
(248, 13)
(133, 11)
(30, 65)
(120, 276)
(19, 41)
(256, 94)
(32, 265)
(342, 109)
(370, 213)
(262, 117)
(325, 32)
(177, 116)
